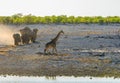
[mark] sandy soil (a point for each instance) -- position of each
(84, 50)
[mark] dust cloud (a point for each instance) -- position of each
(6, 33)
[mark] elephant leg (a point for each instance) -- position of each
(15, 42)
(33, 40)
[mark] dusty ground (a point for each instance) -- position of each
(84, 50)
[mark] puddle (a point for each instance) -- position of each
(58, 79)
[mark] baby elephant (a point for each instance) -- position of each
(17, 39)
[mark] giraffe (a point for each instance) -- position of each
(52, 43)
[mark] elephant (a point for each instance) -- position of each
(28, 35)
(25, 38)
(34, 35)
(17, 39)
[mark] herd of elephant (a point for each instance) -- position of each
(27, 36)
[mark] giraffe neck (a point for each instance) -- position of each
(57, 37)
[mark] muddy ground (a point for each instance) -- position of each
(84, 50)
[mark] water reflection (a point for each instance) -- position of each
(58, 79)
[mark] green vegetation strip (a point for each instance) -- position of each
(62, 19)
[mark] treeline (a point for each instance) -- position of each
(62, 19)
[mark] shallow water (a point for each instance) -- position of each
(58, 79)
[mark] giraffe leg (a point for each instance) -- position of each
(48, 51)
(45, 50)
(55, 50)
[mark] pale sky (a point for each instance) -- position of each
(60, 7)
